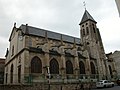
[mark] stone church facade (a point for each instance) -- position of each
(39, 56)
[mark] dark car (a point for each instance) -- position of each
(118, 82)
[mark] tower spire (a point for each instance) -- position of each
(87, 17)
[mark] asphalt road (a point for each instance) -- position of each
(113, 88)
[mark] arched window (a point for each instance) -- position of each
(82, 67)
(93, 28)
(36, 65)
(30, 42)
(19, 74)
(83, 31)
(92, 68)
(110, 69)
(87, 30)
(54, 67)
(69, 67)
(11, 74)
(12, 50)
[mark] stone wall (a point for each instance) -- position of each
(45, 87)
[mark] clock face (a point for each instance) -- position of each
(20, 37)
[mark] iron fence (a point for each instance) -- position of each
(47, 82)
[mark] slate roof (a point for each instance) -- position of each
(29, 30)
(87, 17)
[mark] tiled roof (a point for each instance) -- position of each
(29, 30)
(86, 17)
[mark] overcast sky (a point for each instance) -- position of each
(62, 16)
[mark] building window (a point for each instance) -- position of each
(82, 67)
(54, 67)
(83, 31)
(1, 76)
(69, 67)
(19, 74)
(110, 69)
(92, 68)
(11, 74)
(93, 28)
(36, 65)
(6, 77)
(12, 51)
(30, 42)
(87, 30)
(19, 61)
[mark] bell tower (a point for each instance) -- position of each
(89, 31)
(92, 42)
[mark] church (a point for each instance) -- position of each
(39, 56)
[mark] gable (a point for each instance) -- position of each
(12, 34)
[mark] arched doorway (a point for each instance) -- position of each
(11, 74)
(54, 67)
(36, 65)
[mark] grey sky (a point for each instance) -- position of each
(61, 16)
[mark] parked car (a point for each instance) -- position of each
(104, 83)
(118, 82)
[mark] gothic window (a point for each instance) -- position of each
(69, 67)
(110, 69)
(92, 68)
(11, 74)
(82, 67)
(12, 51)
(83, 31)
(19, 74)
(54, 67)
(19, 61)
(87, 30)
(93, 28)
(36, 65)
(6, 77)
(30, 42)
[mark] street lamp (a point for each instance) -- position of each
(48, 71)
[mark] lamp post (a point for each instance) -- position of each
(48, 71)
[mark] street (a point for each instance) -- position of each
(113, 88)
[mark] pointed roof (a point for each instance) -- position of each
(87, 17)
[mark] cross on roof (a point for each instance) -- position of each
(84, 4)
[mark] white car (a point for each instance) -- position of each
(104, 83)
